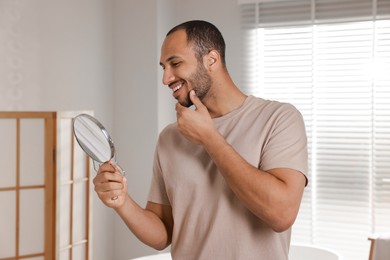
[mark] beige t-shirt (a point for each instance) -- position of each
(209, 220)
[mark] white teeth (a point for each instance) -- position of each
(177, 88)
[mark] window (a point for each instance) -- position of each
(331, 59)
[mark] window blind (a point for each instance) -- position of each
(331, 59)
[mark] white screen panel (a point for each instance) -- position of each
(79, 211)
(80, 162)
(65, 152)
(7, 223)
(8, 152)
(32, 152)
(64, 215)
(79, 252)
(64, 254)
(32, 217)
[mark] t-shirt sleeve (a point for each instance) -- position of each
(286, 146)
(157, 191)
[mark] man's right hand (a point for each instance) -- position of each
(111, 185)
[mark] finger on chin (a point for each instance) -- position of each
(195, 99)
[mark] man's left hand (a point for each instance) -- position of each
(196, 125)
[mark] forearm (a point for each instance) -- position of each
(265, 195)
(145, 224)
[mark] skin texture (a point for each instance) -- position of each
(273, 196)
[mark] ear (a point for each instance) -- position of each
(212, 59)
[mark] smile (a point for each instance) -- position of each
(177, 87)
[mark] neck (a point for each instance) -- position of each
(223, 97)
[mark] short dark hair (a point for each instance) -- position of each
(204, 38)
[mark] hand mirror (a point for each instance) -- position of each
(94, 139)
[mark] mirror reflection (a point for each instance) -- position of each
(93, 138)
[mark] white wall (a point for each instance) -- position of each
(135, 106)
(226, 16)
(57, 55)
(166, 104)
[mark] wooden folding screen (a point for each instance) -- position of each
(44, 188)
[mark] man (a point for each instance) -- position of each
(228, 176)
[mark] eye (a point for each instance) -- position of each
(175, 64)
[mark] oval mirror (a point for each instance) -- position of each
(93, 138)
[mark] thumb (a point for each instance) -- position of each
(195, 100)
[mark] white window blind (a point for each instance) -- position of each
(331, 59)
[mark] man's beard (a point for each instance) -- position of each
(201, 84)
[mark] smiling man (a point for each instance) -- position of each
(229, 175)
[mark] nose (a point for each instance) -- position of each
(168, 77)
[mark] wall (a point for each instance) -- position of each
(226, 16)
(57, 55)
(135, 106)
(166, 11)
